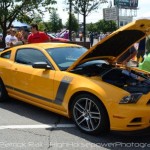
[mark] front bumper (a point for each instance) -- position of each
(130, 117)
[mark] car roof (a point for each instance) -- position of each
(47, 45)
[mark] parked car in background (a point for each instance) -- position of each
(62, 33)
(88, 86)
(57, 39)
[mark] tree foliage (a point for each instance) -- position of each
(74, 22)
(37, 18)
(55, 21)
(41, 26)
(106, 26)
(47, 26)
(102, 26)
(21, 9)
(92, 27)
(84, 7)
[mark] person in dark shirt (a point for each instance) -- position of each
(91, 39)
(141, 50)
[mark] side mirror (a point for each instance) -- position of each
(41, 65)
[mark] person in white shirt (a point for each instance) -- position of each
(11, 39)
(7, 39)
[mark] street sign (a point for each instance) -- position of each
(132, 4)
(110, 14)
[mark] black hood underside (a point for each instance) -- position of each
(117, 44)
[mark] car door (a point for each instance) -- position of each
(33, 83)
(5, 68)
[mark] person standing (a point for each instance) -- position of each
(24, 35)
(91, 39)
(147, 45)
(73, 36)
(7, 44)
(80, 36)
(141, 50)
(18, 34)
(11, 39)
(37, 36)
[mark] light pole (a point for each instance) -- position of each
(70, 19)
(118, 13)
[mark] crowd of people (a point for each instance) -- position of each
(33, 35)
(24, 36)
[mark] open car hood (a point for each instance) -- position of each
(112, 47)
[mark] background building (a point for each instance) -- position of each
(122, 11)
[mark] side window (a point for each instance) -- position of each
(6, 55)
(29, 56)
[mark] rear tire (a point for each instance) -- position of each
(3, 92)
(89, 114)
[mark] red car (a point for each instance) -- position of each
(57, 39)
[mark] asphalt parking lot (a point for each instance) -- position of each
(26, 127)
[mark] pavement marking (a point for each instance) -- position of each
(42, 126)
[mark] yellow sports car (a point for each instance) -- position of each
(88, 86)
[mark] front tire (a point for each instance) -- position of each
(89, 114)
(3, 92)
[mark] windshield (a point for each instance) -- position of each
(64, 57)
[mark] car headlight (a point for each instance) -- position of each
(131, 99)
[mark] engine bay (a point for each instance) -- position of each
(122, 77)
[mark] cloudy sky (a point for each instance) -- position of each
(143, 11)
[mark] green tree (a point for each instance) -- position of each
(56, 23)
(37, 18)
(106, 26)
(21, 9)
(84, 7)
(41, 26)
(92, 27)
(47, 26)
(74, 22)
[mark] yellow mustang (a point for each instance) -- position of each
(86, 85)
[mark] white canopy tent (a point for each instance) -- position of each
(18, 24)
